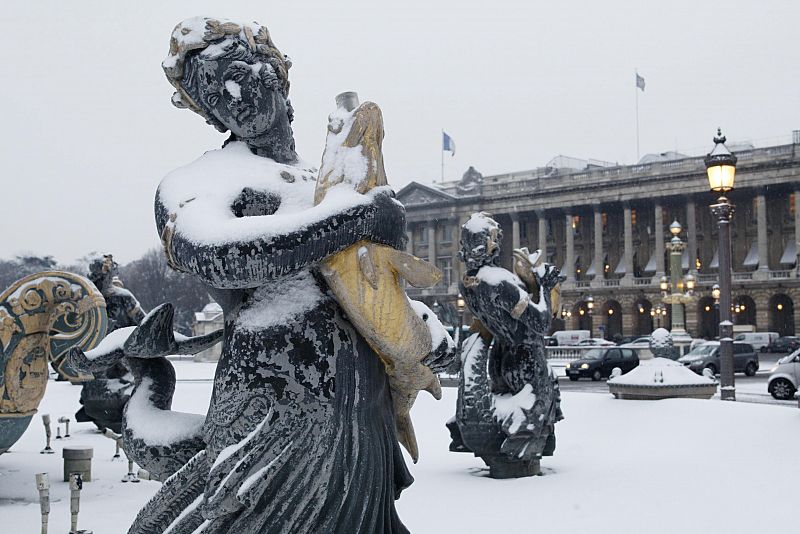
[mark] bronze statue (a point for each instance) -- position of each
(301, 432)
(508, 400)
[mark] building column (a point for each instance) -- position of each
(761, 219)
(598, 244)
(797, 243)
(515, 242)
(458, 265)
(628, 319)
(658, 233)
(432, 242)
(691, 235)
(628, 233)
(410, 240)
(542, 233)
(569, 261)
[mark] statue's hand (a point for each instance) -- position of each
(551, 277)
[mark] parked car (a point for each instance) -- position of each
(785, 377)
(641, 345)
(568, 338)
(596, 342)
(706, 356)
(784, 344)
(759, 340)
(598, 363)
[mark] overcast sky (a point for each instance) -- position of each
(89, 130)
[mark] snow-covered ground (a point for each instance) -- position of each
(670, 466)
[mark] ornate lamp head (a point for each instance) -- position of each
(720, 166)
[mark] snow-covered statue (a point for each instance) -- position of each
(323, 354)
(508, 400)
(103, 399)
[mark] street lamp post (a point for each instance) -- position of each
(677, 290)
(721, 170)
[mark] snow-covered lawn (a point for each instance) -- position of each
(672, 466)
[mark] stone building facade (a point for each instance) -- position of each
(207, 321)
(607, 227)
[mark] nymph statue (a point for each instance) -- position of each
(301, 434)
(508, 400)
(103, 399)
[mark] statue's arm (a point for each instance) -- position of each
(239, 264)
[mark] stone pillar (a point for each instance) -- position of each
(797, 242)
(761, 218)
(515, 242)
(691, 237)
(569, 261)
(628, 318)
(542, 233)
(410, 241)
(658, 234)
(598, 244)
(458, 266)
(432, 242)
(690, 310)
(628, 251)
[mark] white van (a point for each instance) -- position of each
(570, 338)
(759, 340)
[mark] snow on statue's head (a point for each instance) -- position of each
(231, 74)
(480, 241)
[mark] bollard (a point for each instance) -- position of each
(117, 439)
(131, 476)
(46, 421)
(78, 459)
(75, 487)
(58, 432)
(43, 485)
(65, 420)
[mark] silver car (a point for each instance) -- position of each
(706, 356)
(785, 377)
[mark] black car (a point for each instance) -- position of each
(598, 363)
(784, 344)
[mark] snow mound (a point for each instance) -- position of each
(661, 372)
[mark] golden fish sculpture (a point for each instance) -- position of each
(524, 265)
(366, 277)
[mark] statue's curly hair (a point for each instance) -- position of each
(193, 35)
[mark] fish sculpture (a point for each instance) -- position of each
(366, 277)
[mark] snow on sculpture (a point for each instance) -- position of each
(300, 434)
(103, 399)
(508, 400)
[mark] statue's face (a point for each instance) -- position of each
(240, 93)
(479, 248)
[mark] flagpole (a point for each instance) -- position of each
(442, 151)
(636, 88)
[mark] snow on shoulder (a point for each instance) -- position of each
(201, 194)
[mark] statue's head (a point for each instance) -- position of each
(232, 75)
(102, 271)
(480, 241)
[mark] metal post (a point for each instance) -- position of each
(65, 420)
(75, 486)
(723, 210)
(43, 485)
(46, 421)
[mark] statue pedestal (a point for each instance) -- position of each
(503, 467)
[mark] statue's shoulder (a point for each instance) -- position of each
(495, 276)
